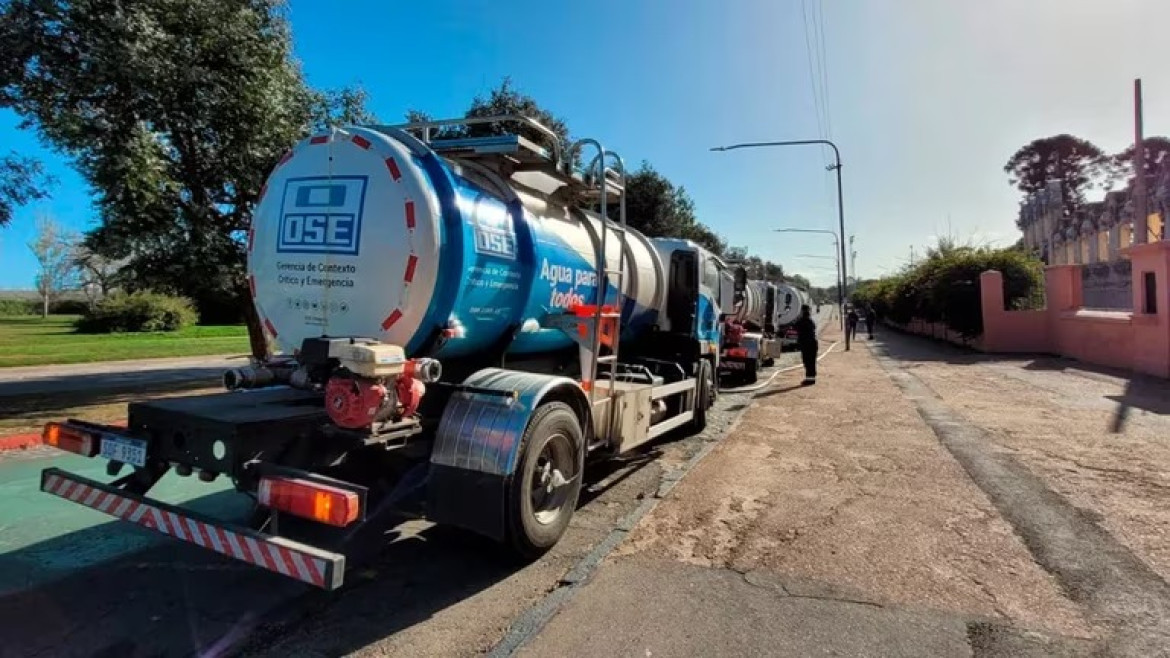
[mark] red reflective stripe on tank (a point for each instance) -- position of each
(263, 191)
(319, 139)
(251, 238)
(392, 165)
(271, 329)
(391, 319)
(360, 141)
(252, 285)
(410, 215)
(285, 158)
(410, 265)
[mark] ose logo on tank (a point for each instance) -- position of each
(322, 215)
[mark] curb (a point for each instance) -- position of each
(32, 439)
(20, 441)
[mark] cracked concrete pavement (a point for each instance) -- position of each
(865, 516)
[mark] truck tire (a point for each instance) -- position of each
(704, 395)
(751, 371)
(542, 494)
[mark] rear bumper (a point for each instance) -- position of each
(283, 556)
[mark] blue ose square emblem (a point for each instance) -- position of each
(322, 215)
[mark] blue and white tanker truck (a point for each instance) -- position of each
(456, 333)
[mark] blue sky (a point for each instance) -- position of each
(926, 98)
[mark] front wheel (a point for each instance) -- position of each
(542, 495)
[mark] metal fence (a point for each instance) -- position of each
(1108, 286)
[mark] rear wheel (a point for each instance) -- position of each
(542, 495)
(750, 371)
(704, 395)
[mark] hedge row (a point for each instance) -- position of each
(11, 307)
(945, 287)
(139, 311)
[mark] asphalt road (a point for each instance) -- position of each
(74, 583)
(114, 375)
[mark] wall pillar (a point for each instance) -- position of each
(1151, 331)
(992, 304)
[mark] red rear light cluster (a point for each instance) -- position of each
(71, 439)
(738, 352)
(310, 500)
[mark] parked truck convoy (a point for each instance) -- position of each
(759, 328)
(457, 331)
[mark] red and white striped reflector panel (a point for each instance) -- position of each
(288, 558)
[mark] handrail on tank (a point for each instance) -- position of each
(426, 127)
(602, 280)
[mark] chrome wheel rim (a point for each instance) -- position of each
(549, 479)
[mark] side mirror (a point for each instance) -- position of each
(741, 279)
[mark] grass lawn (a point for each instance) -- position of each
(29, 341)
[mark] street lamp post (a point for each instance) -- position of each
(836, 166)
(840, 274)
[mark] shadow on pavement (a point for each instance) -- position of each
(1144, 392)
(17, 405)
(176, 599)
(777, 391)
(116, 590)
(108, 382)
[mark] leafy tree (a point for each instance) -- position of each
(1074, 161)
(174, 112)
(53, 248)
(504, 100)
(656, 208)
(98, 276)
(1157, 156)
(800, 281)
(22, 181)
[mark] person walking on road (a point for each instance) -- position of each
(806, 342)
(870, 319)
(851, 324)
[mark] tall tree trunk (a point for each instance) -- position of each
(45, 306)
(256, 337)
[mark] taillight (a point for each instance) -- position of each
(309, 500)
(737, 352)
(72, 439)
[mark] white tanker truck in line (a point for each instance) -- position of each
(449, 316)
(789, 299)
(759, 327)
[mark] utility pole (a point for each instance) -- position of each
(836, 166)
(1141, 231)
(853, 260)
(911, 255)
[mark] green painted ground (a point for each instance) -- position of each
(30, 341)
(43, 537)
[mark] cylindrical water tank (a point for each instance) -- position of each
(365, 232)
(751, 311)
(789, 299)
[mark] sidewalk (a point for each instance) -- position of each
(831, 521)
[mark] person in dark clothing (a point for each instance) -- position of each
(851, 324)
(870, 319)
(806, 342)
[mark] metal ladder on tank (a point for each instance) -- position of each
(602, 312)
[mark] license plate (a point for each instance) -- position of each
(733, 365)
(128, 451)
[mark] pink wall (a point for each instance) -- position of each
(1137, 341)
